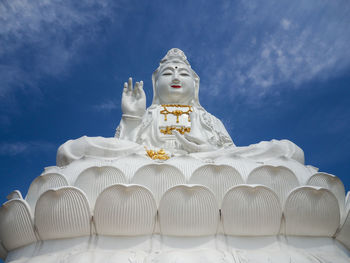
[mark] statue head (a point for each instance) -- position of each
(174, 81)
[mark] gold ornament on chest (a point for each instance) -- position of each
(178, 112)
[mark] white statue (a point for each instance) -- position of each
(175, 120)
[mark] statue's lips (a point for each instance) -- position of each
(176, 86)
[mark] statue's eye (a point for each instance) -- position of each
(184, 74)
(166, 74)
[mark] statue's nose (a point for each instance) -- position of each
(176, 77)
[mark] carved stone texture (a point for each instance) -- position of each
(344, 233)
(125, 210)
(158, 178)
(16, 224)
(280, 179)
(16, 194)
(186, 210)
(74, 169)
(131, 163)
(218, 178)
(3, 252)
(333, 184)
(95, 179)
(63, 213)
(242, 165)
(311, 211)
(251, 210)
(186, 164)
(43, 183)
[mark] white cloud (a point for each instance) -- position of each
(279, 45)
(49, 34)
(107, 106)
(285, 23)
(13, 148)
(16, 148)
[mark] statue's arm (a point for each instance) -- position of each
(128, 128)
(218, 133)
(223, 136)
(133, 108)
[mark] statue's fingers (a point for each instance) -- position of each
(136, 89)
(139, 92)
(125, 87)
(130, 85)
(142, 92)
(189, 146)
(183, 141)
(193, 139)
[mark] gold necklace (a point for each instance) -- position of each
(176, 112)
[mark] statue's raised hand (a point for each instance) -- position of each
(133, 99)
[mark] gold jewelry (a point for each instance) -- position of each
(176, 112)
(168, 130)
(160, 154)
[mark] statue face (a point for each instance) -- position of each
(175, 84)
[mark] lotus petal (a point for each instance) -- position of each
(186, 210)
(43, 183)
(16, 194)
(347, 202)
(95, 179)
(344, 234)
(63, 213)
(249, 210)
(311, 211)
(131, 163)
(186, 164)
(52, 169)
(158, 178)
(125, 210)
(74, 169)
(302, 172)
(333, 184)
(280, 179)
(3, 252)
(218, 178)
(242, 165)
(16, 224)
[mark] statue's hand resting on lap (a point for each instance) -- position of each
(133, 99)
(194, 140)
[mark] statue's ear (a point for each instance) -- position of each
(155, 97)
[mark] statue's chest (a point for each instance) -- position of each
(174, 117)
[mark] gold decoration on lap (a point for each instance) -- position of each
(168, 130)
(176, 112)
(157, 155)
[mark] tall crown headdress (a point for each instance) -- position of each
(175, 54)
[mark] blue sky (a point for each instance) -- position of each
(269, 69)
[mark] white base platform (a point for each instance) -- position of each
(156, 248)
